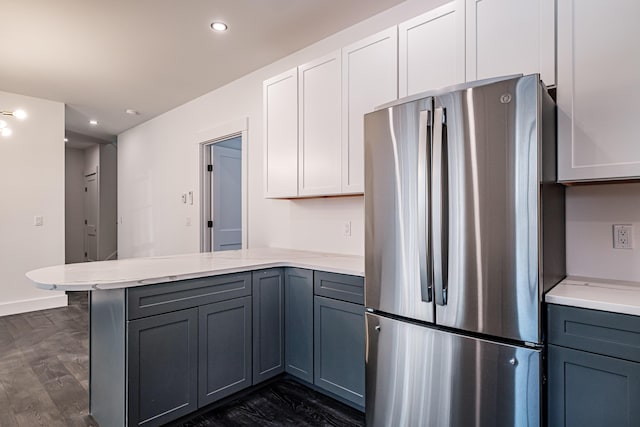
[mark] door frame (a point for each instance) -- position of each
(86, 175)
(205, 139)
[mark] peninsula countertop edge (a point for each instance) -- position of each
(130, 272)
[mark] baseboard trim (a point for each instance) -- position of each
(35, 304)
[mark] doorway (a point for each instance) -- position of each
(90, 199)
(91, 217)
(224, 194)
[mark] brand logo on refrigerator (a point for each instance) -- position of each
(505, 98)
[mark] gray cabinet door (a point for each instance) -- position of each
(590, 390)
(225, 349)
(268, 324)
(162, 367)
(298, 321)
(339, 335)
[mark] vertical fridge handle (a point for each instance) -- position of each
(424, 175)
(440, 206)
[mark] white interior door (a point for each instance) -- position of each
(226, 200)
(91, 217)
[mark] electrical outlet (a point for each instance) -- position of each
(38, 220)
(346, 229)
(622, 236)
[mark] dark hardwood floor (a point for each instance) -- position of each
(44, 379)
(281, 403)
(44, 367)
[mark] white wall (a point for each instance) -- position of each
(158, 160)
(31, 183)
(74, 205)
(591, 212)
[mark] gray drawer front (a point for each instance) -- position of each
(339, 286)
(601, 332)
(156, 299)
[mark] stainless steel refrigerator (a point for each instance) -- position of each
(464, 226)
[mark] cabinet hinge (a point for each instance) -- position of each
(210, 168)
(210, 224)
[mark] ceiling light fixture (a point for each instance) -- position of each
(131, 112)
(19, 114)
(4, 127)
(219, 26)
(66, 140)
(93, 122)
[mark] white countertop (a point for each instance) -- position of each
(130, 272)
(597, 294)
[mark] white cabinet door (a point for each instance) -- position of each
(320, 145)
(510, 37)
(369, 78)
(431, 49)
(280, 97)
(598, 92)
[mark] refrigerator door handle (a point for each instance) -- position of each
(424, 175)
(440, 205)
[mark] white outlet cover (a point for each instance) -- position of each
(346, 231)
(622, 236)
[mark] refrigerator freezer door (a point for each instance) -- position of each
(487, 266)
(397, 270)
(420, 376)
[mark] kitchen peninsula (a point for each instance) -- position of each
(170, 335)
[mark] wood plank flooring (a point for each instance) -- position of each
(282, 403)
(44, 380)
(44, 367)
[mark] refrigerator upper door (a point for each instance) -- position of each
(485, 192)
(419, 376)
(397, 270)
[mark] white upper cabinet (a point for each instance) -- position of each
(510, 37)
(280, 98)
(319, 137)
(598, 92)
(431, 49)
(369, 78)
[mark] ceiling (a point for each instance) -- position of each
(103, 57)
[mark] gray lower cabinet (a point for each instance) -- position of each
(593, 368)
(268, 324)
(160, 352)
(224, 349)
(590, 390)
(339, 335)
(298, 315)
(162, 367)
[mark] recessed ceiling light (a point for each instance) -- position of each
(219, 26)
(93, 122)
(20, 114)
(131, 112)
(66, 140)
